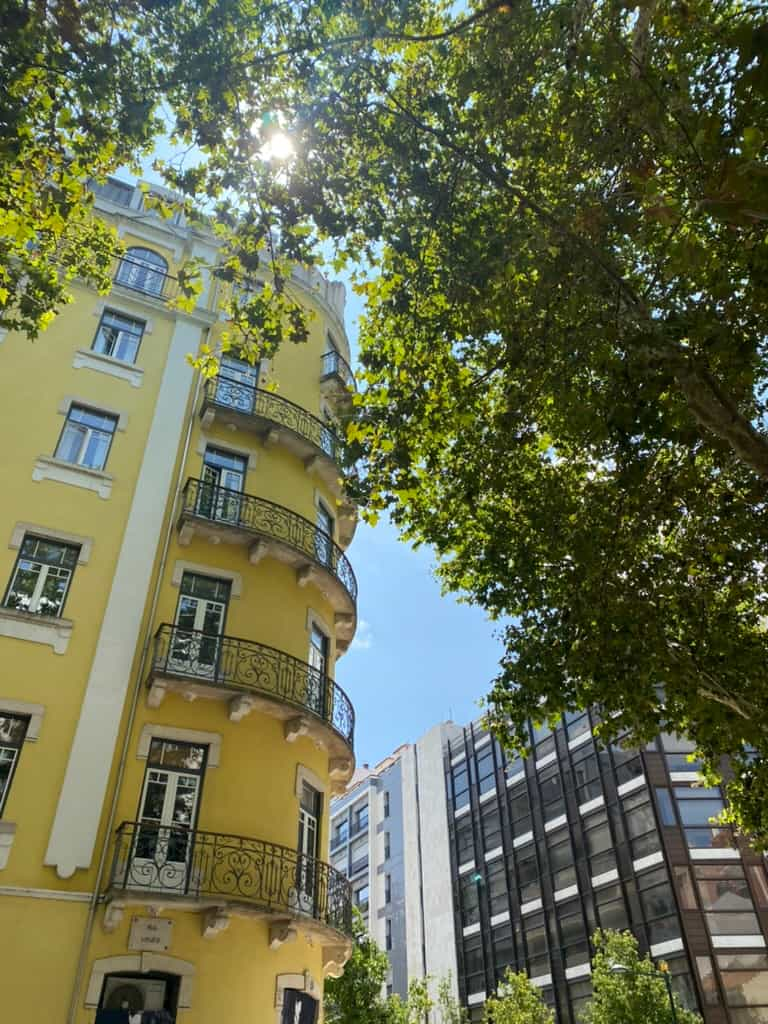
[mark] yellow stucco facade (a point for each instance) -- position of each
(175, 596)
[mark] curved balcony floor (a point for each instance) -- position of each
(270, 530)
(252, 677)
(220, 875)
(277, 422)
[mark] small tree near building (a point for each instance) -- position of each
(517, 1001)
(628, 988)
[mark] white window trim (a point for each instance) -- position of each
(330, 508)
(35, 713)
(37, 629)
(87, 359)
(301, 982)
(141, 963)
(304, 774)
(315, 619)
(68, 401)
(151, 731)
(204, 442)
(21, 529)
(49, 468)
(7, 835)
(180, 567)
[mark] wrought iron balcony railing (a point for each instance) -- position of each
(167, 861)
(271, 521)
(226, 393)
(334, 365)
(244, 665)
(145, 278)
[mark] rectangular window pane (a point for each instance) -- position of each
(685, 888)
(666, 808)
(759, 884)
(745, 988)
(733, 924)
(118, 336)
(86, 437)
(707, 979)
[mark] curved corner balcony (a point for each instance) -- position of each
(222, 876)
(254, 677)
(277, 422)
(337, 381)
(270, 530)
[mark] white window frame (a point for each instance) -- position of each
(87, 435)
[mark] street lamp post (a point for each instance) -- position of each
(663, 970)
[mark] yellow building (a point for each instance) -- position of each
(175, 596)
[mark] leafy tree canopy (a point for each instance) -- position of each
(629, 988)
(518, 1001)
(564, 205)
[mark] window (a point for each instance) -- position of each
(579, 993)
(519, 809)
(386, 803)
(697, 806)
(759, 884)
(490, 819)
(324, 535)
(573, 933)
(627, 763)
(665, 805)
(543, 741)
(362, 899)
(503, 950)
(387, 888)
(552, 798)
(535, 935)
(707, 979)
(745, 984)
(685, 890)
(611, 907)
(41, 576)
(497, 887)
(682, 983)
(13, 729)
(561, 859)
(576, 723)
(470, 901)
(388, 934)
(361, 818)
(143, 270)
(115, 191)
(528, 876)
(460, 777)
(360, 854)
(586, 773)
(86, 437)
(298, 1007)
(118, 336)
(474, 970)
(659, 908)
(387, 846)
(599, 843)
(465, 842)
(641, 824)
(340, 832)
(486, 773)
(723, 887)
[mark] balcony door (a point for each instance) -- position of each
(298, 1007)
(310, 806)
(236, 383)
(163, 851)
(220, 496)
(200, 618)
(318, 670)
(324, 535)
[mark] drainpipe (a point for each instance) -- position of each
(148, 633)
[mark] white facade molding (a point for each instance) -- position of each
(605, 878)
(141, 963)
(44, 894)
(693, 778)
(526, 837)
(78, 812)
(315, 619)
(51, 533)
(36, 629)
(35, 713)
(476, 997)
(466, 867)
(501, 918)
(517, 777)
(204, 442)
(212, 740)
(180, 566)
(631, 786)
(592, 805)
(542, 980)
(462, 811)
(717, 854)
(497, 851)
(483, 742)
(458, 758)
(544, 762)
(7, 835)
(304, 774)
(471, 929)
(578, 971)
(68, 401)
(580, 739)
(48, 468)
(566, 893)
(553, 823)
(530, 906)
(87, 359)
(665, 948)
(738, 941)
(647, 862)
(487, 796)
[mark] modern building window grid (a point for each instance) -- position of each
(625, 823)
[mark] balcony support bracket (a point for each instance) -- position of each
(271, 438)
(214, 921)
(281, 932)
(311, 463)
(294, 728)
(239, 707)
(340, 768)
(206, 420)
(113, 917)
(334, 959)
(186, 533)
(156, 694)
(257, 551)
(306, 574)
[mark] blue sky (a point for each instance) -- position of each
(418, 657)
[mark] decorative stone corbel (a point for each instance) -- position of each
(306, 574)
(338, 788)
(281, 932)
(343, 619)
(206, 420)
(339, 768)
(271, 437)
(257, 551)
(239, 707)
(189, 696)
(215, 921)
(113, 917)
(294, 728)
(186, 533)
(311, 464)
(334, 959)
(156, 694)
